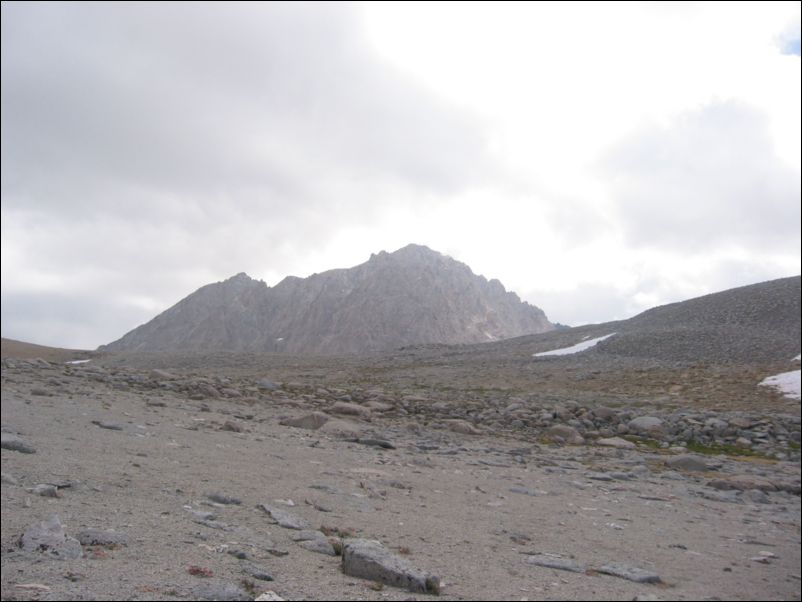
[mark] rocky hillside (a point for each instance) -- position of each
(410, 297)
(752, 324)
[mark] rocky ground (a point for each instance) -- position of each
(228, 477)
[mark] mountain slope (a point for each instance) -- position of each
(412, 296)
(750, 324)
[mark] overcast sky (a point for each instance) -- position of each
(598, 159)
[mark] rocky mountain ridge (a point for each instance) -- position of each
(410, 297)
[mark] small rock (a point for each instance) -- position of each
(231, 426)
(200, 514)
(159, 374)
(351, 409)
(45, 490)
(616, 442)
(743, 483)
(687, 462)
(646, 424)
(15, 443)
(285, 519)
(553, 562)
(223, 591)
(756, 496)
(308, 535)
(98, 537)
(462, 426)
(112, 426)
(567, 433)
(311, 421)
(269, 596)
(374, 443)
(256, 571)
(630, 573)
(48, 537)
(7, 479)
(267, 384)
(320, 546)
(221, 498)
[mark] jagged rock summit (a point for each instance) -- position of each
(410, 297)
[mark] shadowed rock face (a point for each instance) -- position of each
(410, 297)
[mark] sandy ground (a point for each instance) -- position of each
(467, 508)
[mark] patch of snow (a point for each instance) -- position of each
(278, 340)
(788, 383)
(576, 348)
(78, 362)
(797, 358)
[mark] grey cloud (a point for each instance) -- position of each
(77, 320)
(710, 179)
(106, 106)
(587, 303)
(150, 148)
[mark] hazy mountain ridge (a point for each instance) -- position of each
(412, 296)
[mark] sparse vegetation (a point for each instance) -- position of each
(716, 449)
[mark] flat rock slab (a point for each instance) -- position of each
(630, 573)
(552, 562)
(369, 559)
(48, 537)
(285, 519)
(15, 443)
(221, 498)
(112, 426)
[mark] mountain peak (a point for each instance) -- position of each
(412, 296)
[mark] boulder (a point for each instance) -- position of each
(369, 559)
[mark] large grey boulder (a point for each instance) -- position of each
(369, 559)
